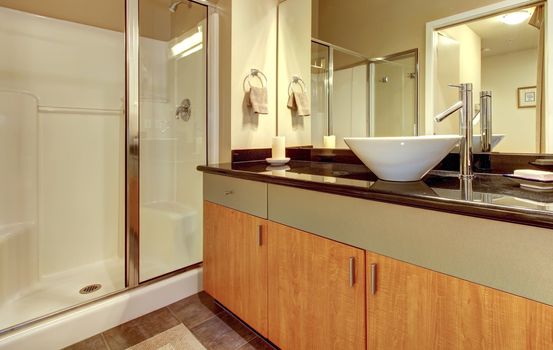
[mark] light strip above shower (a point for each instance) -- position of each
(188, 45)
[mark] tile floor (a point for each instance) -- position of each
(212, 326)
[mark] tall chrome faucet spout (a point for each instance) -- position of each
(449, 111)
(465, 127)
(486, 120)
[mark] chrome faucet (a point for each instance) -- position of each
(486, 120)
(465, 127)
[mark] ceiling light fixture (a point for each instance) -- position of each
(514, 18)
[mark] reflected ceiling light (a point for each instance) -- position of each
(187, 43)
(192, 50)
(514, 18)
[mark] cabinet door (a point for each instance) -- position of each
(316, 291)
(416, 308)
(235, 263)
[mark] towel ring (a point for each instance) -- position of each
(298, 81)
(254, 73)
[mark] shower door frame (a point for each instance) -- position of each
(132, 156)
(132, 150)
(330, 78)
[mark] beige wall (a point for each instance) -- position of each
(225, 65)
(254, 45)
(468, 64)
(379, 27)
(294, 58)
(503, 74)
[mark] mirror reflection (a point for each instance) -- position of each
(502, 56)
(376, 70)
(353, 96)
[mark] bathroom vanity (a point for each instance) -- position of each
(322, 255)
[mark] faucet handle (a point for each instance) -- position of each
(463, 86)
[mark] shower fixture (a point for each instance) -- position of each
(173, 7)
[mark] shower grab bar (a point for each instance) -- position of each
(77, 110)
(62, 109)
(22, 92)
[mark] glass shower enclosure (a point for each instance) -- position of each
(103, 114)
(354, 96)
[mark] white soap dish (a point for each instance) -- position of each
(531, 184)
(532, 174)
(277, 161)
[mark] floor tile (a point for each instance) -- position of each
(140, 329)
(256, 344)
(195, 309)
(222, 332)
(93, 343)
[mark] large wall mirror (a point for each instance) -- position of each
(371, 68)
(502, 55)
(351, 93)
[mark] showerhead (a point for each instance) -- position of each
(173, 7)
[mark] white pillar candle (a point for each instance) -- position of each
(279, 148)
(329, 141)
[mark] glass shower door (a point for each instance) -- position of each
(393, 97)
(173, 118)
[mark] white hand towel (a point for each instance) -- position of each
(257, 100)
(299, 101)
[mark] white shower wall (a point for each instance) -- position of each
(349, 104)
(81, 153)
(18, 189)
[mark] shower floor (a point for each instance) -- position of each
(61, 290)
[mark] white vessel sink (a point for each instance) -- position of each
(477, 143)
(406, 158)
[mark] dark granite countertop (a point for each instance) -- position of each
(486, 196)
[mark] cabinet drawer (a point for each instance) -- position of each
(243, 195)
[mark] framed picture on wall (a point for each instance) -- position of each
(527, 97)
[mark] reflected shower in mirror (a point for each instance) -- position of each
(353, 96)
(393, 97)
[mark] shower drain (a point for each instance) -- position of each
(91, 288)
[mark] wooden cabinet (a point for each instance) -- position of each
(316, 291)
(303, 291)
(416, 308)
(235, 262)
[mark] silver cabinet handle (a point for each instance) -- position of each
(229, 192)
(351, 271)
(373, 279)
(260, 235)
